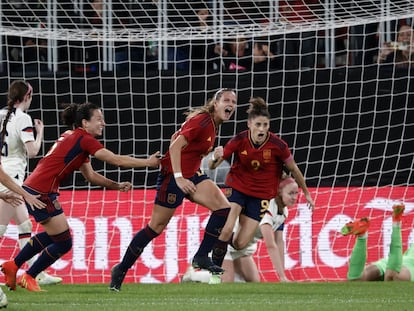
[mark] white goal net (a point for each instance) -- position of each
(345, 109)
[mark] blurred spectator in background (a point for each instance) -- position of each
(35, 50)
(235, 54)
(178, 13)
(93, 12)
(145, 13)
(18, 14)
(399, 52)
(235, 12)
(300, 48)
(202, 50)
(363, 42)
(28, 54)
(203, 16)
(118, 17)
(263, 58)
(146, 17)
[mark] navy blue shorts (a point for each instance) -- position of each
(52, 209)
(169, 194)
(252, 207)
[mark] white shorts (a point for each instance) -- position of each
(233, 254)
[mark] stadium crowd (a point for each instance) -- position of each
(298, 50)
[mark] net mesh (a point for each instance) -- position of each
(166, 20)
(347, 118)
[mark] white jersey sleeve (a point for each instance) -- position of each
(272, 217)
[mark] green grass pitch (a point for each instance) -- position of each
(354, 296)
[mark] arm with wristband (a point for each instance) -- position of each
(176, 146)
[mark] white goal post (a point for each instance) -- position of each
(348, 119)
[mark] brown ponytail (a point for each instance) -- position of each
(17, 91)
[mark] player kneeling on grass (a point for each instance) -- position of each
(239, 264)
(398, 266)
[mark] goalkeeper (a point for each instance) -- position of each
(71, 152)
(398, 266)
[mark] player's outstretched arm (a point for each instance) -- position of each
(100, 180)
(127, 161)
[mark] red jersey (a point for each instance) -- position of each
(200, 133)
(69, 152)
(255, 170)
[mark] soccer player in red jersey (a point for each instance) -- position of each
(180, 177)
(70, 152)
(260, 157)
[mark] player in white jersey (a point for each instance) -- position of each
(19, 143)
(239, 264)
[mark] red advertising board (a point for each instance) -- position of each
(103, 223)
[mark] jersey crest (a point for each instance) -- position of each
(267, 155)
(172, 197)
